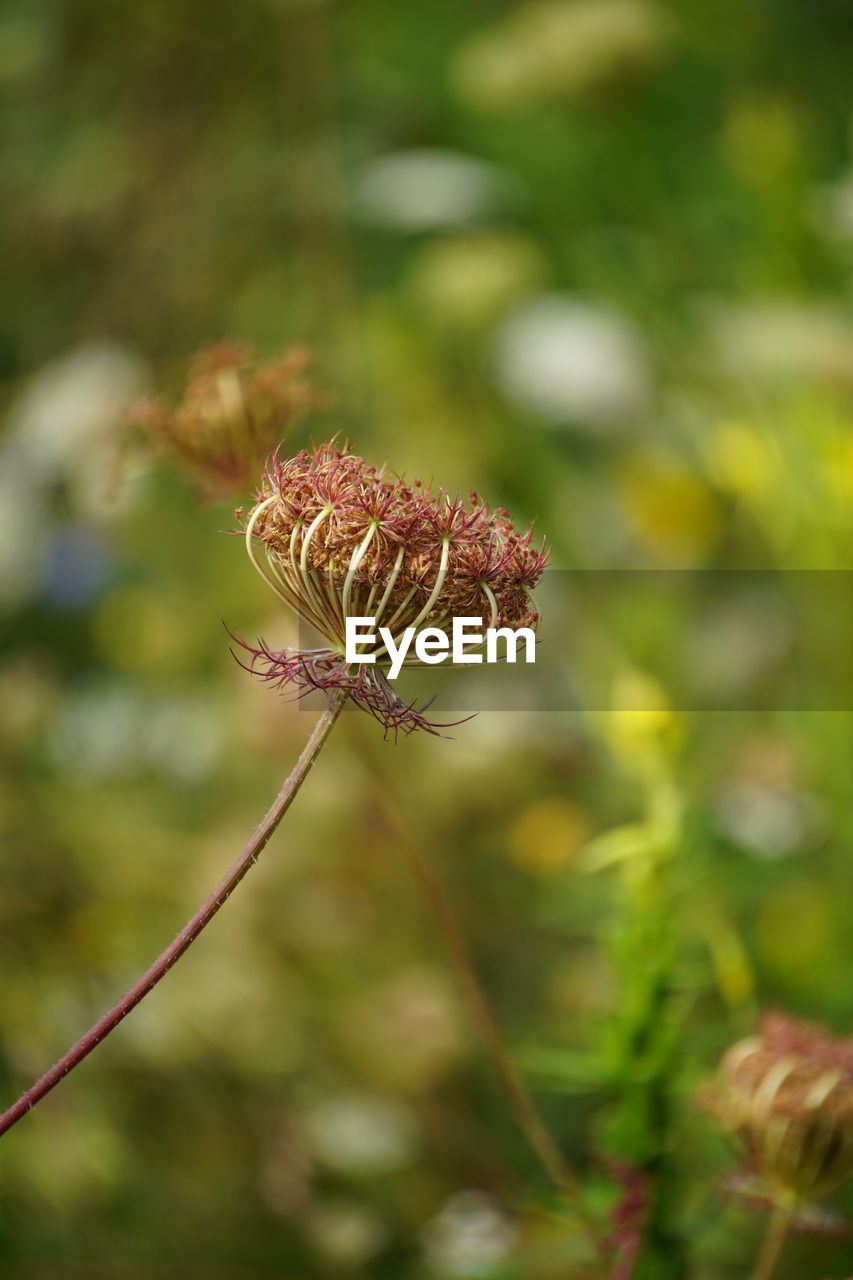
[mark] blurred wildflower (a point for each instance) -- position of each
(344, 1233)
(63, 431)
(838, 468)
(361, 1134)
(42, 553)
(793, 472)
(95, 733)
(744, 460)
(669, 507)
(781, 342)
(71, 408)
(421, 190)
(107, 730)
(762, 804)
(233, 414)
(787, 1093)
(470, 1236)
(572, 362)
(340, 541)
(547, 49)
(76, 567)
(738, 642)
(771, 822)
(642, 718)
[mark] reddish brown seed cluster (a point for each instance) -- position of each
(787, 1092)
(233, 414)
(339, 539)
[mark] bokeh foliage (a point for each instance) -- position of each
(591, 257)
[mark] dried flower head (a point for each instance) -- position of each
(336, 538)
(233, 414)
(787, 1093)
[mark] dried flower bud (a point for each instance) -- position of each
(232, 415)
(787, 1093)
(339, 539)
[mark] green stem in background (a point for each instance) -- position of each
(518, 1099)
(774, 1241)
(191, 930)
(644, 1033)
(642, 1036)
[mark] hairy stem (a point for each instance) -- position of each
(518, 1099)
(774, 1241)
(191, 930)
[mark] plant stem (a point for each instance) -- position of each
(191, 930)
(518, 1099)
(774, 1240)
(520, 1102)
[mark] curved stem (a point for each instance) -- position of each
(439, 583)
(191, 930)
(774, 1241)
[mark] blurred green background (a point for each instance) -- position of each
(592, 258)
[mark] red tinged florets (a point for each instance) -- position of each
(339, 538)
(302, 672)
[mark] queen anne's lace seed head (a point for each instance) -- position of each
(787, 1093)
(336, 538)
(232, 415)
